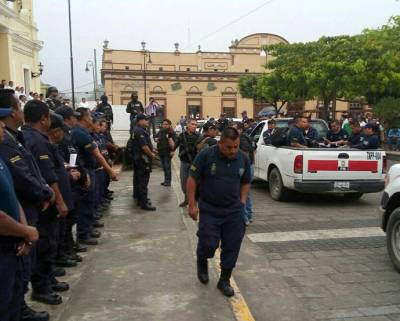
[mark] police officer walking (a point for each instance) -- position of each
(142, 158)
(134, 108)
(224, 175)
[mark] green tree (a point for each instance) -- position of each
(388, 111)
(248, 86)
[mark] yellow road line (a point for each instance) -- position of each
(238, 303)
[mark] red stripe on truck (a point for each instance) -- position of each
(363, 166)
(322, 165)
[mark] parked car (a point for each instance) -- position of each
(346, 171)
(390, 208)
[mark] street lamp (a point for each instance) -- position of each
(37, 74)
(146, 54)
(91, 64)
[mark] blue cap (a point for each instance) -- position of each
(5, 111)
(141, 117)
(370, 125)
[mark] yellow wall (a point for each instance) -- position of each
(19, 47)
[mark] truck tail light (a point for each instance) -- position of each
(384, 165)
(298, 164)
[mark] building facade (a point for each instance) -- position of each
(203, 83)
(19, 46)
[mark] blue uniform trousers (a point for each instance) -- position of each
(100, 181)
(220, 225)
(166, 166)
(141, 178)
(46, 251)
(87, 208)
(11, 283)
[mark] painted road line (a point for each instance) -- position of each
(239, 305)
(315, 235)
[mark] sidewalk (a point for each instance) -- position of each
(144, 269)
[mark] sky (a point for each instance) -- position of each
(161, 23)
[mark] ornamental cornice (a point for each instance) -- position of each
(28, 43)
(10, 13)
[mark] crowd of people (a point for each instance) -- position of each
(55, 170)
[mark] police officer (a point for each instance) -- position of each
(105, 108)
(89, 153)
(25, 172)
(187, 152)
(224, 175)
(223, 122)
(267, 136)
(310, 134)
(37, 124)
(370, 139)
(210, 131)
(142, 157)
(336, 136)
(52, 98)
(134, 108)
(296, 133)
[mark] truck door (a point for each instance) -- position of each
(256, 135)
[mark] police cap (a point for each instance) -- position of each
(56, 121)
(66, 112)
(141, 117)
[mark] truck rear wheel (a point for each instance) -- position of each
(393, 238)
(277, 190)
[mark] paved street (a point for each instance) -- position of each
(346, 278)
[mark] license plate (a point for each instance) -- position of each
(341, 185)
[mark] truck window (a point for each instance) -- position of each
(256, 133)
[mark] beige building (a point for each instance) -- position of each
(19, 47)
(204, 83)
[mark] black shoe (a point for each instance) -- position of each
(79, 248)
(98, 224)
(183, 204)
(65, 262)
(202, 271)
(50, 298)
(95, 234)
(28, 314)
(109, 197)
(167, 184)
(148, 207)
(163, 184)
(58, 272)
(60, 287)
(75, 257)
(224, 285)
(88, 241)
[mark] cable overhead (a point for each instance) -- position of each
(230, 23)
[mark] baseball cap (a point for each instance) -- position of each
(5, 111)
(56, 121)
(141, 117)
(209, 125)
(370, 125)
(66, 112)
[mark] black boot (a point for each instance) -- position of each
(224, 284)
(28, 314)
(202, 270)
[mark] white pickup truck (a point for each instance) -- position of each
(346, 171)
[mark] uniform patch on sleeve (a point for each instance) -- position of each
(44, 157)
(15, 159)
(88, 145)
(141, 136)
(193, 168)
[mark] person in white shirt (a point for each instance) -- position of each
(151, 111)
(84, 103)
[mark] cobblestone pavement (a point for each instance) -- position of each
(336, 279)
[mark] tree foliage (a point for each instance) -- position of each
(388, 110)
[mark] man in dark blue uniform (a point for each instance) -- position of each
(223, 173)
(267, 136)
(89, 153)
(336, 135)
(16, 239)
(370, 141)
(310, 134)
(25, 172)
(296, 134)
(37, 124)
(134, 108)
(142, 157)
(356, 136)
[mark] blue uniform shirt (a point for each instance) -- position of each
(356, 139)
(334, 137)
(311, 136)
(220, 178)
(141, 138)
(8, 198)
(296, 136)
(368, 143)
(82, 139)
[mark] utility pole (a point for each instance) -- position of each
(95, 68)
(71, 56)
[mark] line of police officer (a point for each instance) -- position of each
(54, 162)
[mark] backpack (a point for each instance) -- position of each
(202, 144)
(279, 138)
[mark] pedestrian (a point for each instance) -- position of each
(22, 101)
(370, 139)
(37, 124)
(224, 175)
(210, 131)
(222, 122)
(151, 112)
(165, 139)
(84, 103)
(143, 156)
(186, 143)
(105, 108)
(25, 172)
(336, 136)
(134, 108)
